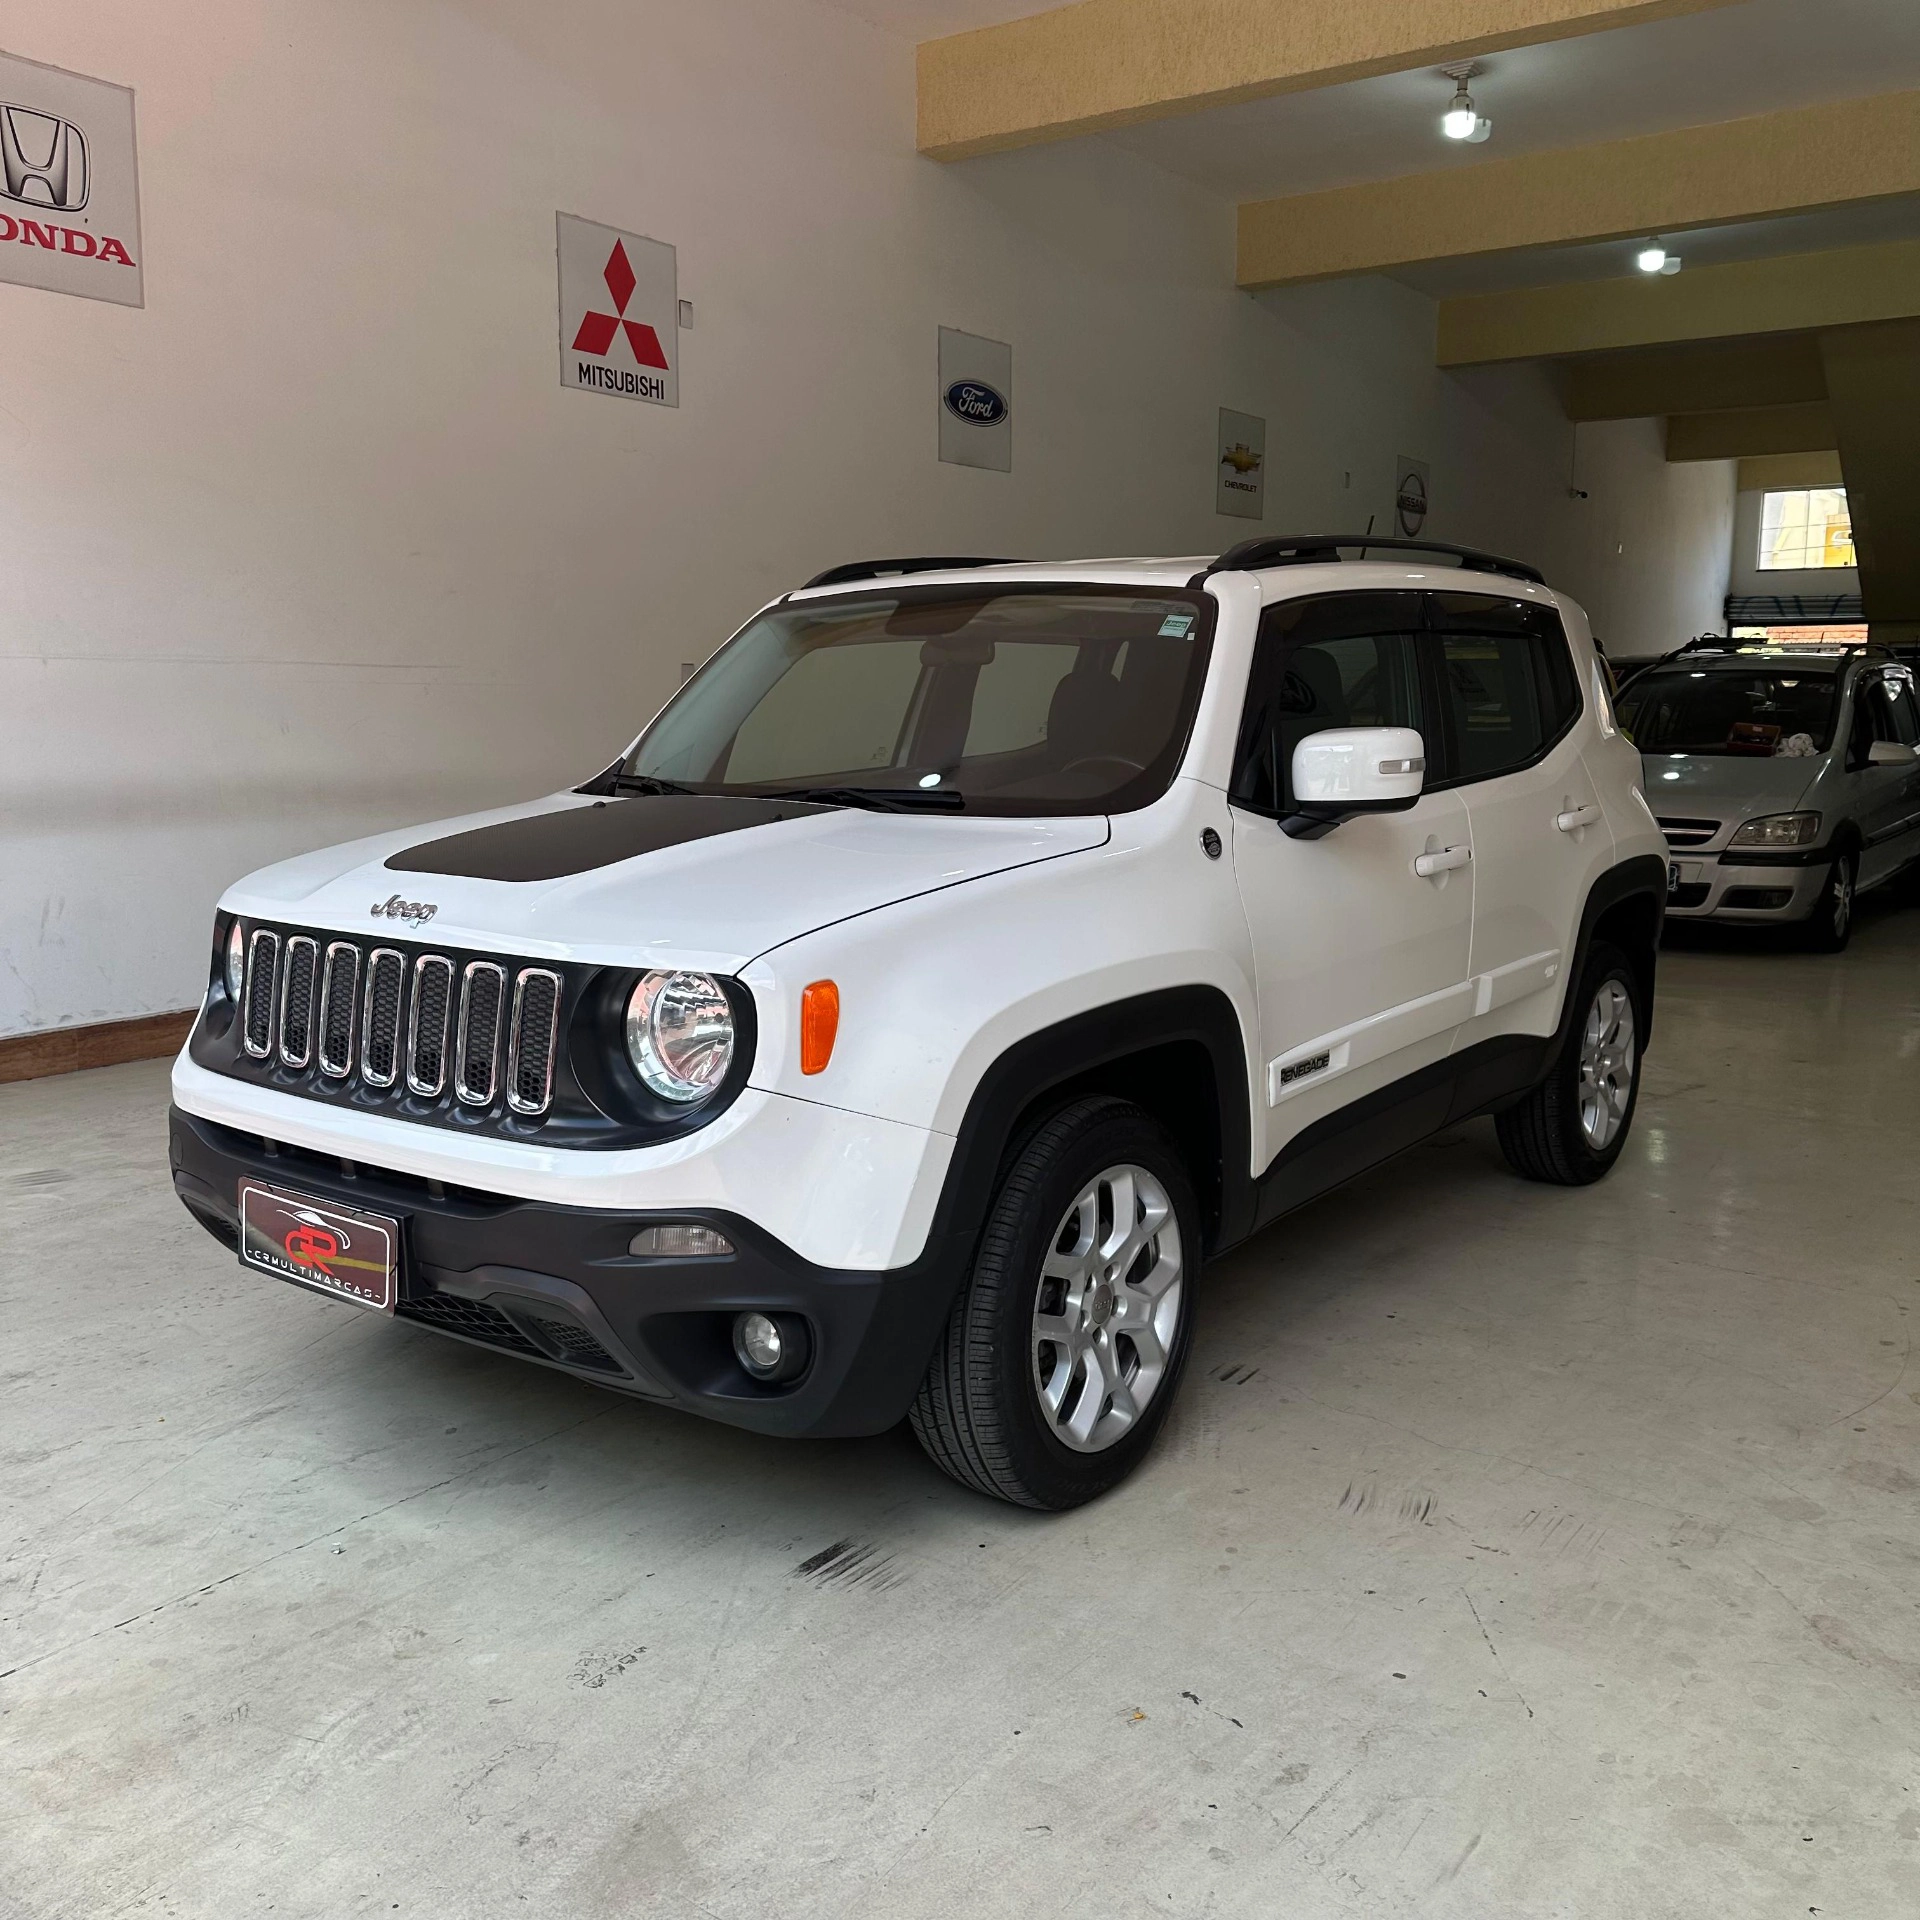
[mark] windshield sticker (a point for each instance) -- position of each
(1175, 626)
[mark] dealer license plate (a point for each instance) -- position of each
(333, 1249)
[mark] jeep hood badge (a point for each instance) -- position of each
(416, 913)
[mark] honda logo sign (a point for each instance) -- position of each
(619, 313)
(43, 161)
(69, 198)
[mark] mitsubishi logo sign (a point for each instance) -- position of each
(69, 199)
(597, 330)
(43, 161)
(619, 313)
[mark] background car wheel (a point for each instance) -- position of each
(1570, 1129)
(1829, 926)
(1066, 1345)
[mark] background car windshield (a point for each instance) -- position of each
(1026, 701)
(1758, 712)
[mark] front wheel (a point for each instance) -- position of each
(1829, 926)
(1062, 1354)
(1570, 1129)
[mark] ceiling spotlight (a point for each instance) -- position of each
(1462, 120)
(1654, 258)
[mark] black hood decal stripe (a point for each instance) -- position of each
(570, 840)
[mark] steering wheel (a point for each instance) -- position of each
(1104, 760)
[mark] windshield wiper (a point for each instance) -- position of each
(647, 783)
(877, 799)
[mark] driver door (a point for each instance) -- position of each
(1361, 961)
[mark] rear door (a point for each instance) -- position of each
(1510, 748)
(1361, 961)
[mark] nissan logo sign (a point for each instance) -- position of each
(1411, 504)
(976, 403)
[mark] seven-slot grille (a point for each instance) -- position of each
(428, 1020)
(1689, 833)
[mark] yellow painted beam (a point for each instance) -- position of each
(1747, 432)
(1114, 63)
(1791, 293)
(1696, 377)
(1777, 472)
(1753, 169)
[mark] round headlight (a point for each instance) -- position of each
(680, 1035)
(236, 961)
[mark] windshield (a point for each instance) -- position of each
(1019, 700)
(1759, 711)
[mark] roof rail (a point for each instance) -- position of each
(875, 569)
(1303, 550)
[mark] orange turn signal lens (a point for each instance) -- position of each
(819, 1025)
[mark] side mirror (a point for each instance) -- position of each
(1889, 753)
(1350, 770)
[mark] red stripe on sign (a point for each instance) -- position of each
(596, 333)
(645, 344)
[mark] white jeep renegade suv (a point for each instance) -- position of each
(963, 957)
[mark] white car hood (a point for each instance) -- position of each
(716, 901)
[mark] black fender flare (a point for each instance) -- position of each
(1644, 875)
(1069, 1056)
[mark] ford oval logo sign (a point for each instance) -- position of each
(976, 403)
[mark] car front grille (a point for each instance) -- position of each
(1689, 833)
(474, 1318)
(391, 1022)
(544, 1336)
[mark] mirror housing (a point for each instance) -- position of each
(1890, 753)
(1350, 770)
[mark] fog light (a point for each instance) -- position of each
(683, 1241)
(771, 1349)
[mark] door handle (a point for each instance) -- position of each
(1575, 818)
(1428, 865)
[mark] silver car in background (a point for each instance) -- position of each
(1785, 778)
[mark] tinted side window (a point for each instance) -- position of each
(1888, 702)
(1349, 660)
(1507, 680)
(1906, 712)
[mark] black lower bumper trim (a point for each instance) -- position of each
(557, 1285)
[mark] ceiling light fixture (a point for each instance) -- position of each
(1462, 120)
(1654, 258)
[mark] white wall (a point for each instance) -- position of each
(315, 543)
(1652, 542)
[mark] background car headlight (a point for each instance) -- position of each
(1779, 830)
(236, 968)
(680, 1035)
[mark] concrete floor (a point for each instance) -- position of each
(1511, 1552)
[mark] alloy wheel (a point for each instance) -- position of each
(1107, 1308)
(1608, 1058)
(1842, 898)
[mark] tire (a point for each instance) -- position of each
(1829, 927)
(983, 1411)
(1571, 1128)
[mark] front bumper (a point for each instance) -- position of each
(1753, 891)
(556, 1285)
